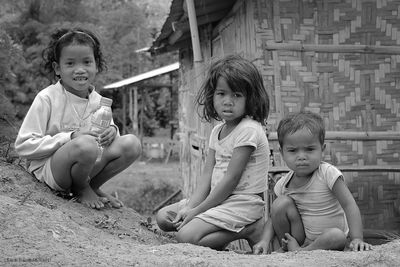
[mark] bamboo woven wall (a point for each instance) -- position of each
(352, 91)
(330, 74)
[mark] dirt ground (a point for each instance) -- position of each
(146, 184)
(39, 228)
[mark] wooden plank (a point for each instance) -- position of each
(364, 168)
(328, 48)
(276, 19)
(162, 204)
(348, 135)
(277, 84)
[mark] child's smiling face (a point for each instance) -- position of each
(77, 68)
(302, 152)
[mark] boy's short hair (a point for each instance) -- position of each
(297, 121)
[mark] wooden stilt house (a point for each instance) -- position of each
(130, 87)
(138, 87)
(339, 58)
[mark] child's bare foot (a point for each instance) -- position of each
(114, 202)
(284, 246)
(280, 250)
(89, 198)
(291, 243)
(255, 232)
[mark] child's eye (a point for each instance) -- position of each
(238, 95)
(88, 62)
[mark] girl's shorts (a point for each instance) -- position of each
(236, 212)
(44, 174)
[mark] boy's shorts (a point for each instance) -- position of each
(308, 241)
(44, 174)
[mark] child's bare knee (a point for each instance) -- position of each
(161, 219)
(85, 147)
(186, 237)
(336, 237)
(282, 204)
(131, 146)
(182, 237)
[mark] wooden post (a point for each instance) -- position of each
(276, 20)
(194, 31)
(124, 111)
(141, 117)
(171, 109)
(130, 104)
(135, 111)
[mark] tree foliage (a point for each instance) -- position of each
(122, 25)
(8, 53)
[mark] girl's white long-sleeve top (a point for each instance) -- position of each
(53, 116)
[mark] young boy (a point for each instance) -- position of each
(314, 208)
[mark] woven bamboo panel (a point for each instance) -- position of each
(351, 91)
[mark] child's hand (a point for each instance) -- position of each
(171, 215)
(108, 136)
(180, 216)
(190, 214)
(358, 245)
(262, 247)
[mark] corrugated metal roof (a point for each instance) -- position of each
(175, 29)
(143, 76)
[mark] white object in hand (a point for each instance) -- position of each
(101, 120)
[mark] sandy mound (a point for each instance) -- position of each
(42, 228)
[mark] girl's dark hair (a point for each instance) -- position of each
(242, 76)
(302, 120)
(61, 38)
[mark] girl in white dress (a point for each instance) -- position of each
(227, 203)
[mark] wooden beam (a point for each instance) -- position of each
(327, 48)
(356, 136)
(358, 168)
(204, 9)
(184, 26)
(162, 204)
